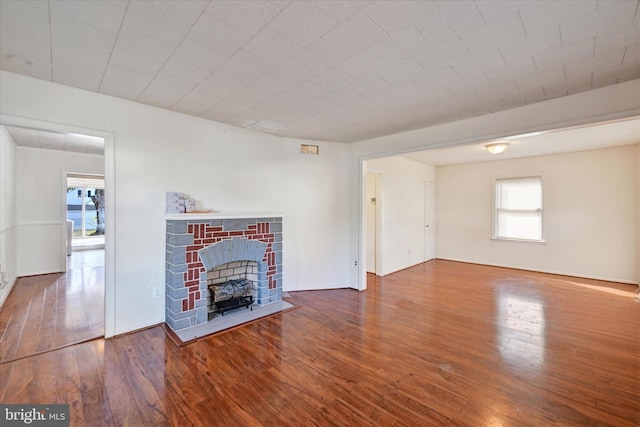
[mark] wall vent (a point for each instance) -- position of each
(309, 149)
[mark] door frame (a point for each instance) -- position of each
(65, 177)
(110, 223)
(433, 220)
(379, 176)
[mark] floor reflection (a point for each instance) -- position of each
(521, 327)
(50, 311)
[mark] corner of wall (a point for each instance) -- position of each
(8, 228)
(638, 221)
(5, 288)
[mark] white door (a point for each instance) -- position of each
(372, 222)
(429, 221)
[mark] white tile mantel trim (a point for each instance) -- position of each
(222, 215)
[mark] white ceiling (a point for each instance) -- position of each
(328, 70)
(592, 137)
(62, 141)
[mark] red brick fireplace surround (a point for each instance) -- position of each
(196, 246)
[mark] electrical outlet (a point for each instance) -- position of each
(355, 263)
(157, 292)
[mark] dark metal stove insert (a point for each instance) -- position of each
(230, 295)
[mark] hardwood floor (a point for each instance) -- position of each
(442, 343)
(54, 310)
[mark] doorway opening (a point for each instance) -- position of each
(397, 216)
(429, 221)
(85, 204)
(90, 151)
(373, 222)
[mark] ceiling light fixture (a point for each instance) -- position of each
(497, 147)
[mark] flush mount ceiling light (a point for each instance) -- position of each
(497, 147)
(17, 59)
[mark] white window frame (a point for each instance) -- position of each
(540, 211)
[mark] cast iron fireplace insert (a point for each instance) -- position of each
(236, 294)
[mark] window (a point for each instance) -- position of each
(518, 209)
(85, 205)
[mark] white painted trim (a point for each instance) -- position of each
(21, 148)
(222, 215)
(559, 273)
(362, 231)
(379, 221)
(494, 207)
(405, 268)
(8, 227)
(110, 236)
(65, 179)
(109, 176)
(6, 296)
(11, 120)
(63, 216)
(561, 125)
(40, 223)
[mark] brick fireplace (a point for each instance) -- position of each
(200, 249)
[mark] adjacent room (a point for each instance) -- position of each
(320, 212)
(585, 179)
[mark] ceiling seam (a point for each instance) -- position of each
(364, 12)
(171, 54)
(228, 59)
(270, 115)
(524, 29)
(50, 40)
(104, 73)
(624, 55)
(479, 12)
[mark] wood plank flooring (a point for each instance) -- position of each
(442, 343)
(54, 310)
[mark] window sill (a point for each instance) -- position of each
(507, 240)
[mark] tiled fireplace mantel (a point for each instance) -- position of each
(237, 236)
(221, 215)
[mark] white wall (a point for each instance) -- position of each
(151, 151)
(402, 199)
(223, 167)
(41, 197)
(590, 202)
(8, 209)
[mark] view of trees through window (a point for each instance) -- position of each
(85, 206)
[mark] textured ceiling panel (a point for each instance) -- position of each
(328, 70)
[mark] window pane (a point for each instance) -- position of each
(519, 225)
(519, 194)
(519, 208)
(74, 210)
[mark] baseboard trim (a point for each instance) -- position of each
(403, 268)
(11, 288)
(133, 331)
(52, 349)
(604, 279)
